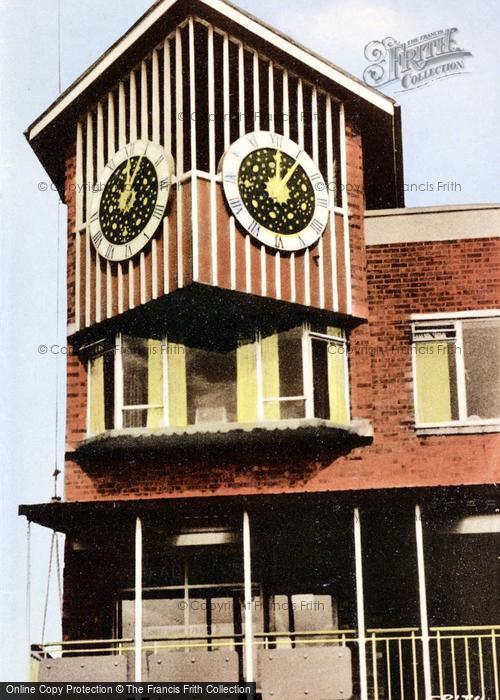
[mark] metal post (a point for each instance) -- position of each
(360, 602)
(247, 573)
(424, 624)
(138, 600)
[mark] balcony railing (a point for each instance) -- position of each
(463, 660)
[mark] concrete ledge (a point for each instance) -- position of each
(427, 224)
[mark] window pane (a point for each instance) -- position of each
(436, 381)
(290, 362)
(320, 378)
(135, 371)
(482, 368)
(211, 386)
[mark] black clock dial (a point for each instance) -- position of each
(276, 191)
(128, 200)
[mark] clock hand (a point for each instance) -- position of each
(289, 174)
(136, 170)
(277, 159)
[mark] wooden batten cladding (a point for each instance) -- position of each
(195, 94)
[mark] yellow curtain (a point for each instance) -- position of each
(155, 383)
(96, 397)
(177, 395)
(433, 382)
(246, 383)
(337, 379)
(271, 376)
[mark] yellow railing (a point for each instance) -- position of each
(463, 659)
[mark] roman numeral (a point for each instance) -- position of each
(253, 140)
(110, 251)
(111, 165)
(129, 150)
(276, 140)
(316, 226)
(254, 229)
(278, 242)
(302, 241)
(322, 202)
(94, 217)
(164, 184)
(230, 177)
(97, 238)
(316, 176)
(158, 211)
(236, 205)
(128, 251)
(160, 160)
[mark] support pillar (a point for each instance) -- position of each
(138, 601)
(360, 607)
(422, 595)
(247, 572)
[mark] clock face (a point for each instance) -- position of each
(275, 190)
(130, 199)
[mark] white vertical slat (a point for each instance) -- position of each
(360, 606)
(307, 253)
(270, 104)
(256, 92)
(179, 150)
(167, 140)
(133, 137)
(225, 80)
(100, 166)
(167, 98)
(422, 594)
(142, 278)
(247, 575)
(286, 132)
(133, 108)
(144, 102)
(155, 134)
(138, 602)
(194, 163)
(315, 149)
(79, 219)
(89, 170)
(155, 98)
(212, 165)
(79, 176)
(241, 89)
(232, 251)
(242, 122)
(122, 139)
(166, 256)
(331, 200)
(145, 136)
(256, 126)
(345, 207)
(122, 116)
(110, 150)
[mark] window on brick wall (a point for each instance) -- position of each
(152, 383)
(456, 365)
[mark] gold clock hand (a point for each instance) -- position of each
(290, 172)
(277, 159)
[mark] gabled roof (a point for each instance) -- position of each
(55, 124)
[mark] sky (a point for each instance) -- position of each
(450, 135)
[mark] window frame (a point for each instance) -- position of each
(307, 336)
(307, 374)
(439, 321)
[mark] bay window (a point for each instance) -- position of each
(298, 373)
(457, 370)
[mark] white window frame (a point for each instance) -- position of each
(439, 321)
(120, 407)
(307, 374)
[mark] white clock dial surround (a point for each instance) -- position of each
(294, 193)
(130, 199)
